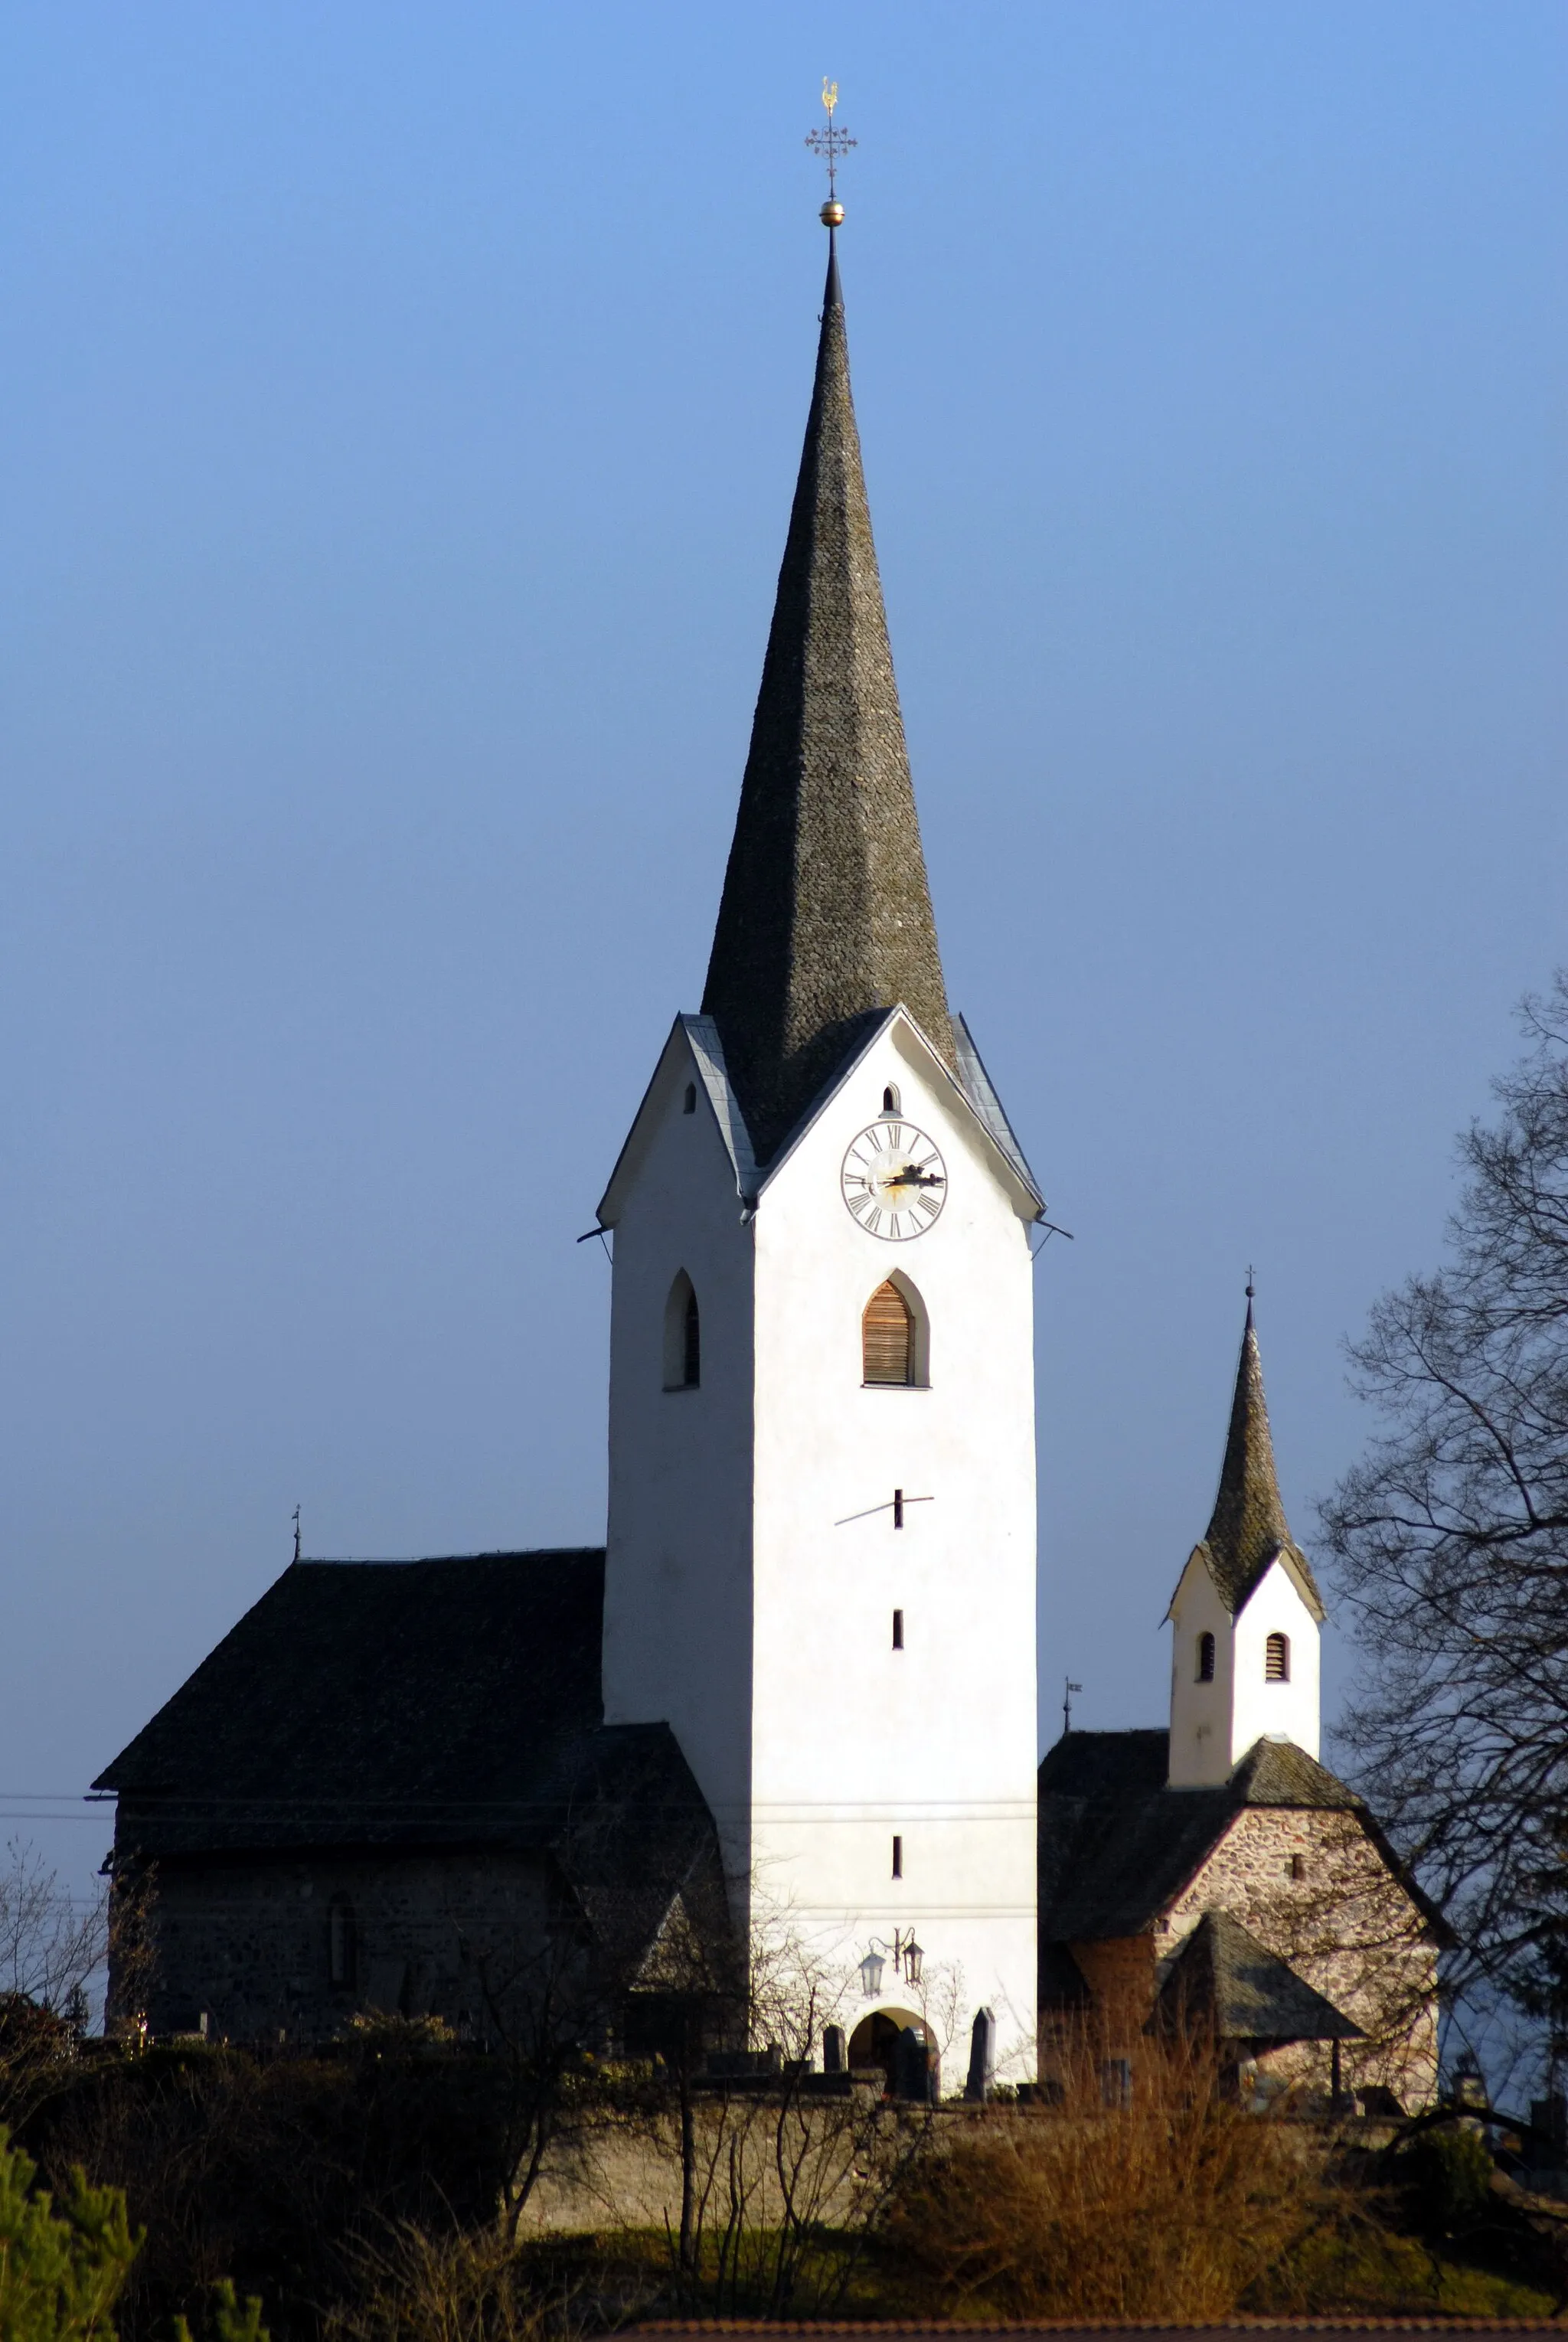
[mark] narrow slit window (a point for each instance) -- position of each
(1205, 1659)
(689, 1103)
(898, 1630)
(1298, 1867)
(1277, 1659)
(898, 1857)
(887, 1337)
(683, 1336)
(342, 1947)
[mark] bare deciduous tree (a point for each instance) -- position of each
(1451, 1540)
(51, 1946)
(770, 2166)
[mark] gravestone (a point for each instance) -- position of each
(982, 2055)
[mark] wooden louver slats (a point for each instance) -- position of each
(888, 1337)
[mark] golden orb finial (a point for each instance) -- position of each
(831, 213)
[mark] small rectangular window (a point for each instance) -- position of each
(1298, 1865)
(898, 1857)
(898, 1630)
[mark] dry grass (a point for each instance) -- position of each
(421, 2286)
(1174, 2206)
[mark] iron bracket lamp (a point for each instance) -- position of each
(907, 1957)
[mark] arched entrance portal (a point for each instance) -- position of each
(878, 2040)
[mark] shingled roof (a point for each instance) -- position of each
(825, 916)
(1118, 1845)
(1224, 1975)
(378, 1701)
(1248, 1530)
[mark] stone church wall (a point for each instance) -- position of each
(1345, 1924)
(1315, 1889)
(295, 1947)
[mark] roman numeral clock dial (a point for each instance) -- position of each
(893, 1180)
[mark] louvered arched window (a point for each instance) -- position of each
(1277, 1659)
(887, 1337)
(1205, 1659)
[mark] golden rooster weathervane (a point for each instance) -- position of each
(832, 144)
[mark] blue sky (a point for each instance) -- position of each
(401, 407)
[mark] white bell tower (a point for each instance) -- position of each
(1246, 1615)
(821, 1550)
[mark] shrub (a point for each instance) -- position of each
(61, 2269)
(1169, 2207)
(1448, 2176)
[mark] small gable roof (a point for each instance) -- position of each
(1226, 1979)
(1117, 1844)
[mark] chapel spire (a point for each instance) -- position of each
(825, 916)
(1248, 1526)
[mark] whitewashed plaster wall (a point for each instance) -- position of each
(854, 1741)
(678, 1613)
(753, 1564)
(1214, 1725)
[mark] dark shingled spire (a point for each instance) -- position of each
(826, 914)
(1248, 1526)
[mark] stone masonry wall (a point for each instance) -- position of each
(1347, 1925)
(249, 1945)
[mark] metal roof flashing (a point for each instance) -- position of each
(704, 1057)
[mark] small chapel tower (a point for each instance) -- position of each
(820, 1568)
(1246, 1614)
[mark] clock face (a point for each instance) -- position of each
(893, 1180)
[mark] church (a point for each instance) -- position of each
(406, 1786)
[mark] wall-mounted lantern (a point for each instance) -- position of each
(907, 1957)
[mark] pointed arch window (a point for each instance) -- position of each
(891, 1101)
(1205, 1659)
(1277, 1659)
(894, 1341)
(683, 1336)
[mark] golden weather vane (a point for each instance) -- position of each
(833, 144)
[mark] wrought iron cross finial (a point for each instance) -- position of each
(832, 144)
